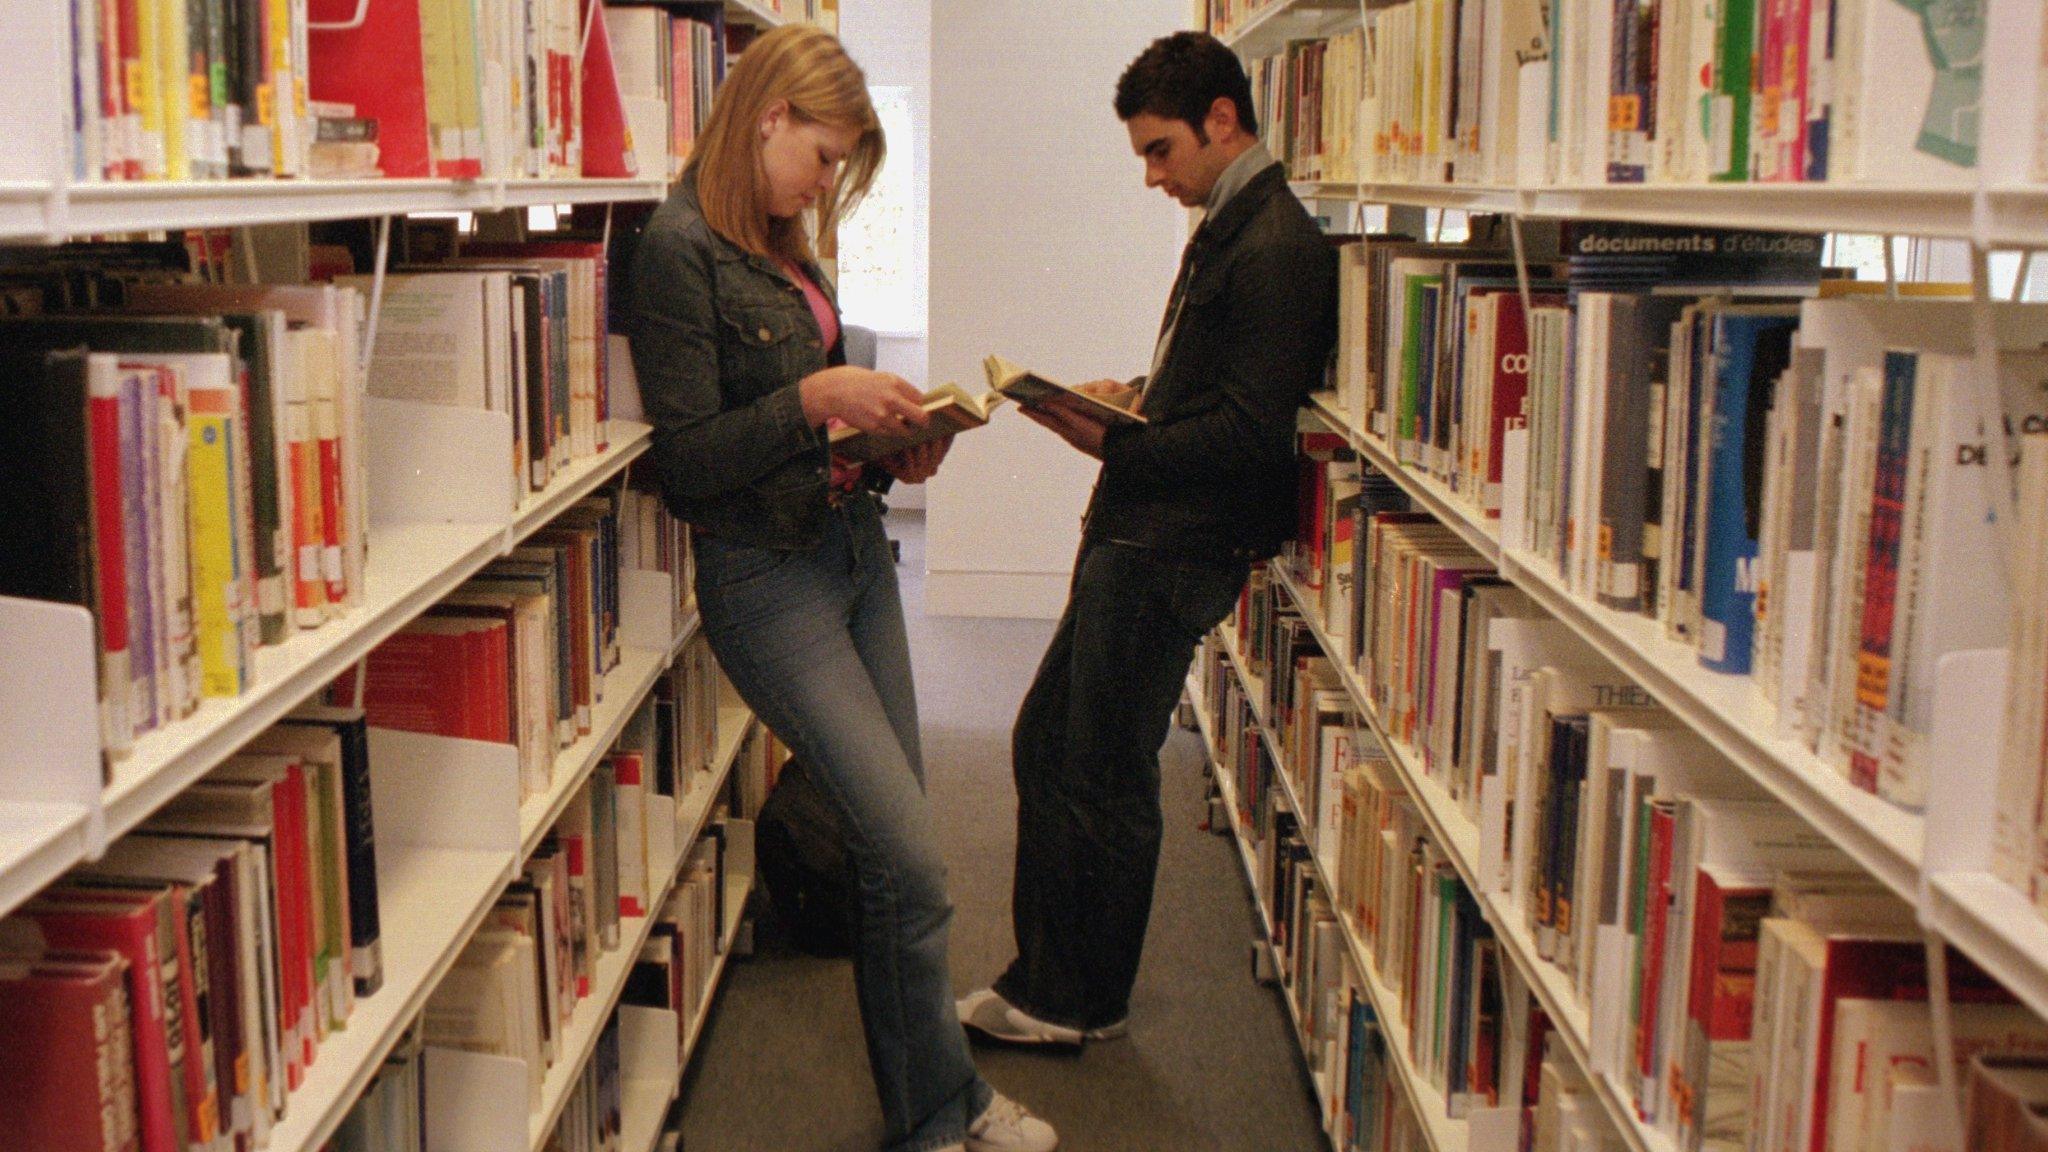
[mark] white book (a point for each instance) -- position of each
(1907, 115)
(1959, 586)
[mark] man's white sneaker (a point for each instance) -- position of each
(1005, 1126)
(996, 1018)
(1116, 1031)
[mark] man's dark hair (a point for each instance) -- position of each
(1179, 77)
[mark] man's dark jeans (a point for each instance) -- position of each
(1086, 756)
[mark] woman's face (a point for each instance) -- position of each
(801, 159)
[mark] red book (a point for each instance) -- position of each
(607, 140)
(418, 680)
(330, 510)
(1721, 996)
(110, 575)
(1650, 956)
(127, 76)
(1866, 969)
(682, 95)
(69, 1082)
(296, 903)
(137, 927)
(380, 67)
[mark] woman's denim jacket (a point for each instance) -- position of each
(720, 338)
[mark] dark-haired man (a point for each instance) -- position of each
(1184, 505)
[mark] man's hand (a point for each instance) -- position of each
(1081, 431)
(918, 463)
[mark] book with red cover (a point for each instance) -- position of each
(203, 884)
(244, 804)
(138, 927)
(69, 1081)
(1860, 968)
(1727, 922)
(436, 677)
(607, 140)
(286, 778)
(380, 67)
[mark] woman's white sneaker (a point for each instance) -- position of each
(1005, 1126)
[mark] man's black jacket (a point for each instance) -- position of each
(1213, 472)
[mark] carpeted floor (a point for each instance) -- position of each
(1210, 1065)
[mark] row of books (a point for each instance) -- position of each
(1307, 101)
(669, 63)
(189, 468)
(673, 970)
(1628, 853)
(516, 328)
(1688, 91)
(518, 655)
(404, 88)
(1805, 492)
(1472, 1031)
(185, 981)
(519, 980)
(651, 540)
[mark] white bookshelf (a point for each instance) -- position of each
(439, 507)
(411, 566)
(446, 829)
(60, 210)
(2005, 207)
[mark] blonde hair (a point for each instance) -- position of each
(808, 68)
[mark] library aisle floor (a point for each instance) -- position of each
(1209, 1065)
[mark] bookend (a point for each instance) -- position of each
(424, 464)
(50, 775)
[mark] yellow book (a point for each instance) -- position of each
(144, 82)
(174, 85)
(217, 603)
(468, 94)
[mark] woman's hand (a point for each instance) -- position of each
(919, 463)
(867, 400)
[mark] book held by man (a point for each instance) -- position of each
(1031, 390)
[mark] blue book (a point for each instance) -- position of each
(1751, 347)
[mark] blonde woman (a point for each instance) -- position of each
(735, 339)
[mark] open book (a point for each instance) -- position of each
(951, 410)
(1030, 389)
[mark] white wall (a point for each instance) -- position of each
(892, 42)
(1046, 248)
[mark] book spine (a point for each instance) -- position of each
(366, 960)
(216, 594)
(1881, 570)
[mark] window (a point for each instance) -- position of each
(880, 281)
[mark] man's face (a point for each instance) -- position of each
(1175, 159)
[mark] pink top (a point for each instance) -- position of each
(845, 474)
(821, 308)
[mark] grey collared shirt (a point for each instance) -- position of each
(1249, 163)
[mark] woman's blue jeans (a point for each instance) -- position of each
(814, 642)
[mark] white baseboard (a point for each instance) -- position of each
(1020, 595)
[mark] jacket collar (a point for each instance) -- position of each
(686, 194)
(1239, 209)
